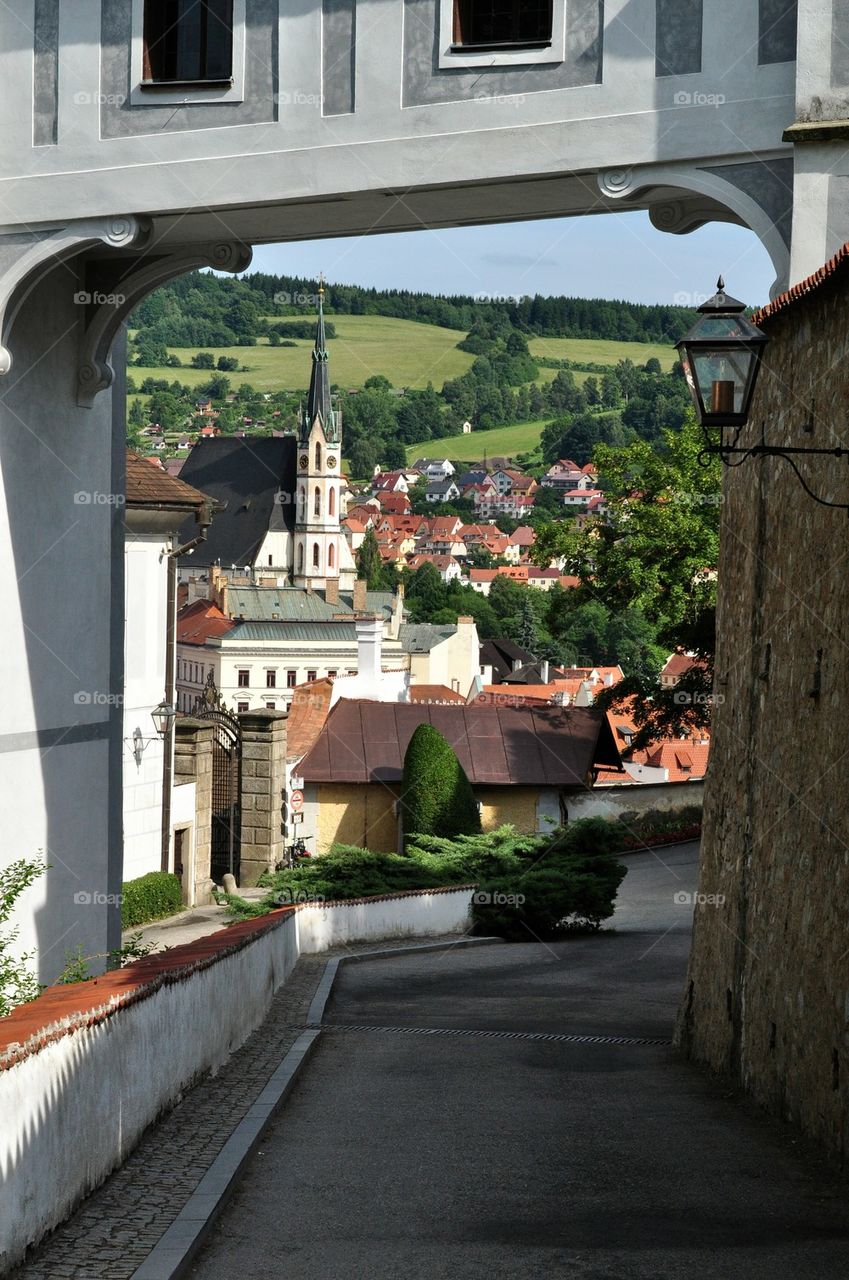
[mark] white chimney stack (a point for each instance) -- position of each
(370, 647)
(544, 670)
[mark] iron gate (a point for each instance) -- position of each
(226, 782)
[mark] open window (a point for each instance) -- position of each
(502, 24)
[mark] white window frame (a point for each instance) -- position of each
(152, 95)
(518, 57)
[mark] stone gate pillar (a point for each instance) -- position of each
(193, 763)
(263, 792)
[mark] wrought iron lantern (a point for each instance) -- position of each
(721, 357)
(163, 717)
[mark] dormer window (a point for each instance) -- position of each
(188, 43)
(501, 24)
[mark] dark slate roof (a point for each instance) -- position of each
(422, 637)
(500, 655)
(245, 477)
(497, 746)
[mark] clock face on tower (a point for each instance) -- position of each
(304, 461)
(331, 461)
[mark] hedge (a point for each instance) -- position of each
(150, 897)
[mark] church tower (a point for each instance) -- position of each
(318, 539)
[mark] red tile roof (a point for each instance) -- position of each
(149, 485)
(200, 621)
(308, 710)
(796, 292)
(434, 693)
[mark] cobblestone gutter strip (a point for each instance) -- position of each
(175, 1251)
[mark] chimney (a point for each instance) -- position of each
(360, 589)
(608, 679)
(331, 591)
(544, 670)
(369, 646)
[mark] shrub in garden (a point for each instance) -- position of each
(437, 796)
(560, 894)
(150, 897)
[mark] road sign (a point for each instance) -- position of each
(296, 800)
(296, 818)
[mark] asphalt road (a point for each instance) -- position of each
(408, 1153)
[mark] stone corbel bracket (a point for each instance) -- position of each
(120, 286)
(25, 260)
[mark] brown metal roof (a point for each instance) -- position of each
(497, 746)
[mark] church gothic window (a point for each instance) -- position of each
(316, 553)
(331, 556)
(331, 502)
(317, 502)
(318, 456)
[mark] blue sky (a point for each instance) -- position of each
(607, 256)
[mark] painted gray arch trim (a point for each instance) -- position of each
(424, 82)
(679, 26)
(777, 23)
(769, 183)
(65, 736)
(338, 56)
(45, 73)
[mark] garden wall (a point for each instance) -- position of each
(638, 798)
(86, 1068)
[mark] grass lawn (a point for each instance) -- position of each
(407, 353)
(599, 351)
(500, 442)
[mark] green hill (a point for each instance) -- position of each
(505, 442)
(406, 352)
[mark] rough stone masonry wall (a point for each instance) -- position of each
(767, 999)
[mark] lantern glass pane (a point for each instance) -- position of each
(723, 377)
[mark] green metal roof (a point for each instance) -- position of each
(283, 632)
(294, 604)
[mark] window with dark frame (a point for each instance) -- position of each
(291, 679)
(271, 679)
(311, 676)
(496, 24)
(243, 706)
(244, 679)
(188, 42)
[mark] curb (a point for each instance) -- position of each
(315, 1013)
(171, 1256)
(173, 1253)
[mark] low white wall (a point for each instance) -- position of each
(612, 802)
(74, 1108)
(415, 916)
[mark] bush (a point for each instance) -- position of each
(565, 891)
(438, 797)
(150, 897)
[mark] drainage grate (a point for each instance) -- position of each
(542, 1036)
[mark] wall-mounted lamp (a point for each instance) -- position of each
(721, 357)
(163, 717)
(138, 746)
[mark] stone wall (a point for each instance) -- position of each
(193, 763)
(263, 792)
(767, 999)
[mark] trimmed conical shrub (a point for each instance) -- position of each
(437, 797)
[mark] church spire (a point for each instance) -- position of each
(318, 400)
